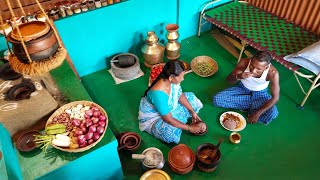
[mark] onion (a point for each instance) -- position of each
(100, 129)
(88, 122)
(96, 136)
(95, 120)
(89, 113)
(89, 135)
(102, 123)
(81, 137)
(86, 116)
(78, 133)
(84, 144)
(84, 130)
(95, 109)
(102, 117)
(82, 124)
(92, 128)
(76, 122)
(90, 141)
(96, 113)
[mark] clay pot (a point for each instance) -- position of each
(38, 49)
(132, 139)
(181, 159)
(204, 132)
(204, 164)
(25, 142)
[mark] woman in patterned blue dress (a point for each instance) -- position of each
(164, 109)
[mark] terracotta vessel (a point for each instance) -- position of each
(181, 159)
(173, 46)
(152, 50)
(38, 49)
(132, 140)
(203, 162)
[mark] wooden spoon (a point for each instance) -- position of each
(123, 146)
(214, 152)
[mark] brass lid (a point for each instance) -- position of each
(30, 30)
(152, 37)
(155, 174)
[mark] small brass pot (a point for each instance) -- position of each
(235, 137)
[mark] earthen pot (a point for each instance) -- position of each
(181, 159)
(38, 49)
(202, 133)
(132, 139)
(25, 142)
(204, 163)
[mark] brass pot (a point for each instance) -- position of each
(172, 31)
(152, 50)
(173, 50)
(173, 46)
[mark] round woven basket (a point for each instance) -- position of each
(200, 62)
(73, 104)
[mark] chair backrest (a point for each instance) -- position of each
(301, 12)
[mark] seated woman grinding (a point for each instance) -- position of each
(164, 109)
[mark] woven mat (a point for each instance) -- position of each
(261, 30)
(118, 80)
(20, 115)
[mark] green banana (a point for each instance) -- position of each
(55, 129)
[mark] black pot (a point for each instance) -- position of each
(205, 166)
(38, 49)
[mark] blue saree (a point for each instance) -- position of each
(151, 121)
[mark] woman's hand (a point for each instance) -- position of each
(194, 129)
(195, 117)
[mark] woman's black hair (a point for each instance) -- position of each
(172, 68)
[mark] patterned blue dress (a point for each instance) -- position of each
(151, 121)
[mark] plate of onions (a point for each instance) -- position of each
(84, 122)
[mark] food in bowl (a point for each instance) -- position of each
(155, 71)
(231, 121)
(152, 157)
(204, 153)
(203, 68)
(203, 127)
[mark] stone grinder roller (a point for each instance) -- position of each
(125, 60)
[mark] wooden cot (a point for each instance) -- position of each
(264, 31)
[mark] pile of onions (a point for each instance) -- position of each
(89, 130)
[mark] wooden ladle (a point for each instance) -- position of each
(214, 152)
(123, 146)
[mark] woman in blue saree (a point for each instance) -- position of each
(164, 109)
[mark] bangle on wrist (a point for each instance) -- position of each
(188, 127)
(237, 77)
(191, 111)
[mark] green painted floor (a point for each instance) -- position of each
(288, 148)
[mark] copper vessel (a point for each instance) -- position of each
(152, 50)
(173, 46)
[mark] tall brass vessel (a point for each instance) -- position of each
(173, 46)
(152, 50)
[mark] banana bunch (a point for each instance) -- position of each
(55, 129)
